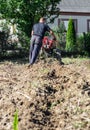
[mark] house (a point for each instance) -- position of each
(79, 11)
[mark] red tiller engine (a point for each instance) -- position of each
(47, 43)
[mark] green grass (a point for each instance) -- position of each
(15, 122)
(74, 60)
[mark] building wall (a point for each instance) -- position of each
(83, 22)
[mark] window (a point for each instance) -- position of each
(66, 23)
(88, 25)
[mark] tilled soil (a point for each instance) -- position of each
(47, 96)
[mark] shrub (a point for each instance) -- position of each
(83, 44)
(60, 33)
(24, 41)
(87, 43)
(71, 37)
(4, 34)
(80, 43)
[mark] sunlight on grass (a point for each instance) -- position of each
(74, 60)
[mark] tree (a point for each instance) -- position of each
(26, 12)
(60, 33)
(71, 37)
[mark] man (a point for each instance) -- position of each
(38, 32)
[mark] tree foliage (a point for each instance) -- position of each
(83, 44)
(26, 12)
(71, 37)
(60, 33)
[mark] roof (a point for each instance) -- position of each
(75, 6)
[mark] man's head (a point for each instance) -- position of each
(42, 20)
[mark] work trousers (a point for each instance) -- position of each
(35, 46)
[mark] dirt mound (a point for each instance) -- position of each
(48, 96)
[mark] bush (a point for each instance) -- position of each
(87, 43)
(71, 37)
(80, 43)
(4, 34)
(60, 33)
(24, 41)
(83, 44)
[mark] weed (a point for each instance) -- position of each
(15, 122)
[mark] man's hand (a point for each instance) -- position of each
(54, 38)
